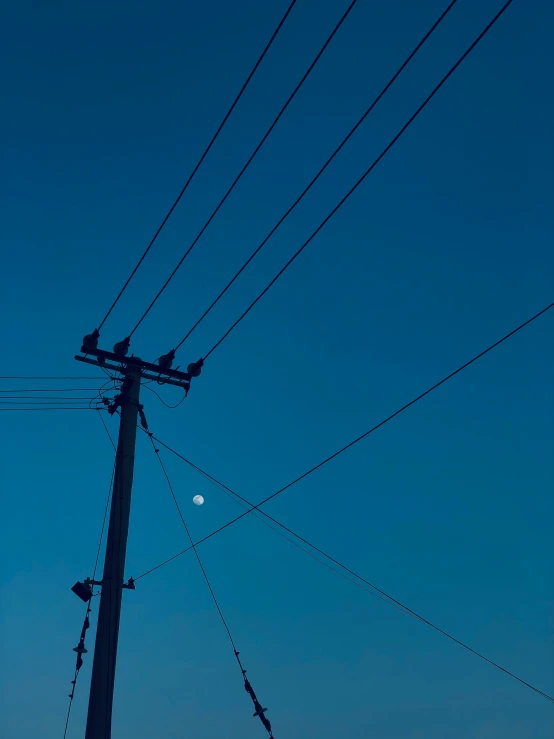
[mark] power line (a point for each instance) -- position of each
(259, 713)
(53, 389)
(250, 159)
(321, 171)
(162, 400)
(375, 590)
(363, 436)
(107, 431)
(201, 160)
(56, 408)
(37, 377)
(86, 624)
(363, 177)
(245, 503)
(40, 398)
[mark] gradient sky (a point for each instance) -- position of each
(106, 107)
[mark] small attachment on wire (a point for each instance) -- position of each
(80, 648)
(258, 709)
(122, 347)
(143, 421)
(90, 341)
(120, 398)
(130, 584)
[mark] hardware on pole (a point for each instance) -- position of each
(133, 370)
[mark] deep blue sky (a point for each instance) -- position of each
(106, 106)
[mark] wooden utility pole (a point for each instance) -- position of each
(133, 369)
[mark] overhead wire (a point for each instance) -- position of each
(377, 592)
(56, 408)
(162, 400)
(364, 175)
(49, 377)
(39, 399)
(312, 182)
(202, 158)
(362, 436)
(248, 162)
(86, 623)
(262, 516)
(51, 389)
(102, 389)
(259, 711)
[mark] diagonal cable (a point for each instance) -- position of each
(320, 172)
(249, 161)
(263, 719)
(367, 433)
(201, 160)
(375, 591)
(363, 177)
(86, 623)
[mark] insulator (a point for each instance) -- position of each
(122, 347)
(195, 368)
(166, 360)
(90, 341)
(80, 648)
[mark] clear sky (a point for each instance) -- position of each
(106, 107)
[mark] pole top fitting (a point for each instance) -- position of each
(90, 341)
(195, 368)
(122, 347)
(166, 360)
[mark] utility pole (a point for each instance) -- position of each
(99, 718)
(133, 369)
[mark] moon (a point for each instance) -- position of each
(198, 500)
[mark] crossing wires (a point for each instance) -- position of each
(364, 435)
(359, 581)
(201, 160)
(259, 711)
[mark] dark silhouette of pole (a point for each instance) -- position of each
(99, 718)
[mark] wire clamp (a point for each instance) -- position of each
(129, 585)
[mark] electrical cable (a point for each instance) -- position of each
(321, 171)
(112, 442)
(363, 177)
(35, 377)
(52, 390)
(102, 389)
(260, 712)
(162, 400)
(201, 160)
(86, 623)
(382, 594)
(84, 408)
(364, 435)
(245, 167)
(15, 400)
(244, 503)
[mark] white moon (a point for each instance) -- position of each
(198, 500)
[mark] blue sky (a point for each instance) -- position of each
(445, 248)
